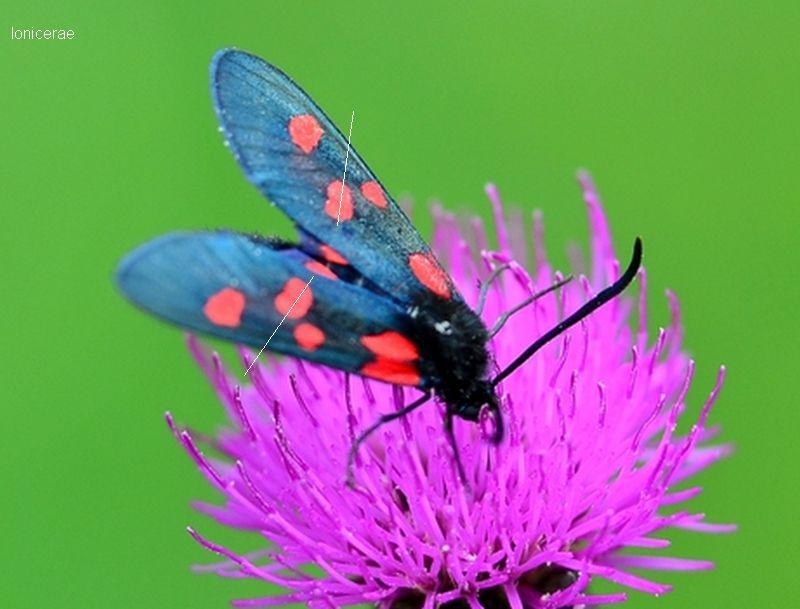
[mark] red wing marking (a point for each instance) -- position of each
(430, 274)
(394, 356)
(293, 292)
(309, 336)
(305, 132)
(331, 255)
(392, 346)
(320, 269)
(392, 371)
(225, 308)
(338, 199)
(373, 193)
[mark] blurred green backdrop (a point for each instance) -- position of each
(685, 112)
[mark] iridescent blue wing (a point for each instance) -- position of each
(240, 288)
(296, 156)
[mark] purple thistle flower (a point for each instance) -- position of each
(588, 467)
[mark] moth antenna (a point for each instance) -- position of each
(587, 309)
(382, 420)
(487, 284)
(507, 315)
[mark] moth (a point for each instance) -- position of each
(360, 290)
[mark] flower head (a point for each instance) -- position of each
(588, 466)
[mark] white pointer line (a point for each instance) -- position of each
(338, 217)
(346, 156)
(279, 325)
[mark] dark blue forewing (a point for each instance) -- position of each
(237, 287)
(295, 155)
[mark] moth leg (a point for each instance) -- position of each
(451, 437)
(505, 316)
(382, 420)
(487, 284)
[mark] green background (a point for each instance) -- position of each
(685, 112)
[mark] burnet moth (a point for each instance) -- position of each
(380, 306)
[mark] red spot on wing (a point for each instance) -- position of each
(394, 356)
(430, 274)
(392, 371)
(391, 345)
(309, 336)
(320, 269)
(331, 255)
(373, 193)
(295, 299)
(225, 308)
(339, 199)
(305, 132)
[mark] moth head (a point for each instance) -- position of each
(482, 396)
